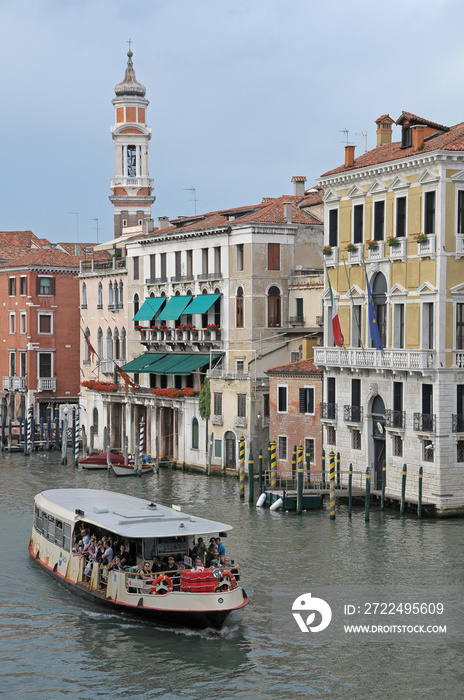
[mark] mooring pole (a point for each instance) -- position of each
(260, 471)
(242, 467)
(308, 467)
(338, 470)
(419, 503)
(299, 489)
(57, 427)
(384, 479)
(76, 435)
(323, 469)
(64, 441)
(350, 490)
(251, 479)
(332, 484)
(367, 502)
(294, 466)
(273, 464)
(403, 488)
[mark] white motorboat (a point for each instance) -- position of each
(196, 599)
(131, 470)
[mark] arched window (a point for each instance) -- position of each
(379, 295)
(274, 308)
(110, 295)
(121, 296)
(86, 346)
(217, 309)
(239, 308)
(84, 296)
(95, 421)
(195, 435)
(123, 344)
(116, 344)
(109, 344)
(100, 343)
(100, 296)
(136, 307)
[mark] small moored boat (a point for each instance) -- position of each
(100, 461)
(175, 596)
(130, 469)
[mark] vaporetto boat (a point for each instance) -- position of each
(196, 599)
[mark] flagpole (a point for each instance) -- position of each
(358, 322)
(368, 306)
(332, 303)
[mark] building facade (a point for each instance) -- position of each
(394, 218)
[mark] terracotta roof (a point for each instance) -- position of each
(414, 119)
(312, 196)
(16, 243)
(45, 258)
(300, 367)
(450, 140)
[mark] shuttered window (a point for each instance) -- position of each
(273, 256)
(282, 399)
(307, 400)
(46, 286)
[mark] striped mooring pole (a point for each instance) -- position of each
(332, 484)
(300, 479)
(260, 471)
(141, 441)
(29, 429)
(273, 464)
(308, 467)
(76, 436)
(242, 467)
(419, 502)
(251, 479)
(384, 480)
(57, 428)
(350, 490)
(367, 502)
(403, 489)
(323, 469)
(338, 471)
(294, 466)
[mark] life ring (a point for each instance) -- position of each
(226, 582)
(162, 585)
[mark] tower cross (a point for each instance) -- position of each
(130, 42)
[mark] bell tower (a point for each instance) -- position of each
(131, 187)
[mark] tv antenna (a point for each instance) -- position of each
(346, 132)
(97, 227)
(363, 135)
(194, 198)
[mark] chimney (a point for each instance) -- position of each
(163, 222)
(349, 156)
(418, 135)
(288, 213)
(299, 182)
(384, 129)
(77, 248)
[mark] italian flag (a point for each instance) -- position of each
(336, 330)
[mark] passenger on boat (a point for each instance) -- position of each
(123, 555)
(107, 554)
(116, 564)
(212, 558)
(198, 565)
(172, 566)
(200, 550)
(220, 547)
(145, 571)
(156, 566)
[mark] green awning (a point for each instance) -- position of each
(178, 363)
(201, 304)
(149, 308)
(174, 308)
(142, 361)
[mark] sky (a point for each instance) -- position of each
(244, 94)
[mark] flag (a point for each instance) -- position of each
(373, 325)
(336, 330)
(89, 345)
(126, 379)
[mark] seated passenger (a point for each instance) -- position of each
(156, 565)
(212, 558)
(198, 565)
(171, 566)
(145, 571)
(116, 564)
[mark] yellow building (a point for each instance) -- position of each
(395, 216)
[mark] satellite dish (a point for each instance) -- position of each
(380, 427)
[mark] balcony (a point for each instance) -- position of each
(15, 383)
(459, 245)
(395, 419)
(328, 411)
(399, 251)
(240, 422)
(458, 359)
(87, 267)
(353, 414)
(458, 422)
(209, 276)
(46, 383)
(174, 337)
(297, 320)
(8, 383)
(356, 256)
(424, 422)
(408, 360)
(376, 252)
(217, 420)
(107, 366)
(183, 278)
(331, 259)
(427, 247)
(157, 280)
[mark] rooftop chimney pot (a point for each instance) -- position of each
(299, 182)
(349, 156)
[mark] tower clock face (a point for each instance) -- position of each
(131, 161)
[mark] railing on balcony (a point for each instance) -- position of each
(209, 276)
(101, 265)
(399, 250)
(369, 357)
(19, 383)
(356, 254)
(172, 336)
(459, 245)
(394, 419)
(377, 251)
(331, 259)
(217, 420)
(353, 414)
(156, 280)
(46, 383)
(458, 422)
(297, 320)
(424, 422)
(107, 366)
(240, 422)
(228, 374)
(427, 247)
(8, 383)
(458, 358)
(328, 410)
(183, 278)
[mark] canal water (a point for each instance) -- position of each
(53, 644)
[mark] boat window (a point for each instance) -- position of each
(45, 525)
(172, 545)
(51, 528)
(59, 533)
(67, 537)
(38, 519)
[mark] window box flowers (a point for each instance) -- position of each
(99, 386)
(351, 247)
(420, 237)
(372, 244)
(327, 250)
(175, 393)
(393, 242)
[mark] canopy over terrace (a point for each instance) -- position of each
(180, 363)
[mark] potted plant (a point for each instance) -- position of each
(372, 243)
(393, 241)
(420, 237)
(351, 248)
(327, 250)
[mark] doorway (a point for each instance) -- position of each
(230, 441)
(379, 438)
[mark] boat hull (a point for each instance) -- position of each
(167, 616)
(121, 470)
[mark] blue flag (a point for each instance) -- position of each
(373, 326)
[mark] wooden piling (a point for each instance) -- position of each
(308, 467)
(384, 479)
(300, 478)
(338, 471)
(332, 484)
(64, 442)
(323, 469)
(350, 490)
(294, 466)
(251, 479)
(403, 489)
(367, 502)
(242, 467)
(419, 502)
(260, 471)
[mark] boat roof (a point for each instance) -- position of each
(124, 515)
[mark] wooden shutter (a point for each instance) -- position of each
(273, 256)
